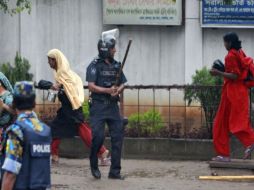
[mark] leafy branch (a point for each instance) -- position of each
(19, 6)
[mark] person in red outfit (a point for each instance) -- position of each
(233, 112)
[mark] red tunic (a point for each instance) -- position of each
(233, 112)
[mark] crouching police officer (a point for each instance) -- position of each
(26, 163)
(101, 77)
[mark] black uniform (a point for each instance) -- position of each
(67, 120)
(104, 109)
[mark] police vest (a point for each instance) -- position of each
(106, 77)
(35, 169)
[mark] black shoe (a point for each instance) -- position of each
(96, 173)
(120, 177)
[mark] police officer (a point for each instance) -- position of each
(26, 163)
(101, 77)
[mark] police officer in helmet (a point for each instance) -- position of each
(26, 147)
(101, 77)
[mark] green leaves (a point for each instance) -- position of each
(201, 78)
(206, 90)
(150, 122)
(21, 5)
(85, 109)
(18, 72)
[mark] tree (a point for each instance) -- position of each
(18, 71)
(207, 93)
(20, 6)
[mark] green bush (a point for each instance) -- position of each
(85, 109)
(149, 123)
(19, 71)
(208, 97)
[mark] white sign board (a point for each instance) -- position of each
(142, 12)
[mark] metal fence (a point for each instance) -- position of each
(171, 112)
(162, 111)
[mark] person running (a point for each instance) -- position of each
(69, 120)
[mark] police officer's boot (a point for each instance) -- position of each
(118, 176)
(96, 173)
(94, 164)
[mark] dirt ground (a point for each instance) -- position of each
(75, 174)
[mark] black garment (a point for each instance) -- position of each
(66, 123)
(104, 75)
(101, 114)
(104, 110)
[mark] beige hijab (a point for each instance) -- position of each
(71, 82)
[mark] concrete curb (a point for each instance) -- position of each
(154, 148)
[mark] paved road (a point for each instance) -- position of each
(74, 174)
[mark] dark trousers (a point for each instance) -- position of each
(101, 114)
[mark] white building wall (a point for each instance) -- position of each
(213, 47)
(193, 40)
(9, 37)
(159, 55)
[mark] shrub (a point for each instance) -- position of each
(146, 124)
(85, 109)
(19, 71)
(208, 97)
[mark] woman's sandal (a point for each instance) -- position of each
(247, 152)
(55, 159)
(221, 159)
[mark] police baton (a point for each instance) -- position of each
(122, 65)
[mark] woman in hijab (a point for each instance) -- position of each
(70, 119)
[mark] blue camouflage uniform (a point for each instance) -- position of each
(27, 148)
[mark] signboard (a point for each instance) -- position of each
(227, 13)
(142, 12)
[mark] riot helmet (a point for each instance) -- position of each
(107, 42)
(105, 45)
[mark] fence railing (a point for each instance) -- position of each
(163, 111)
(179, 117)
